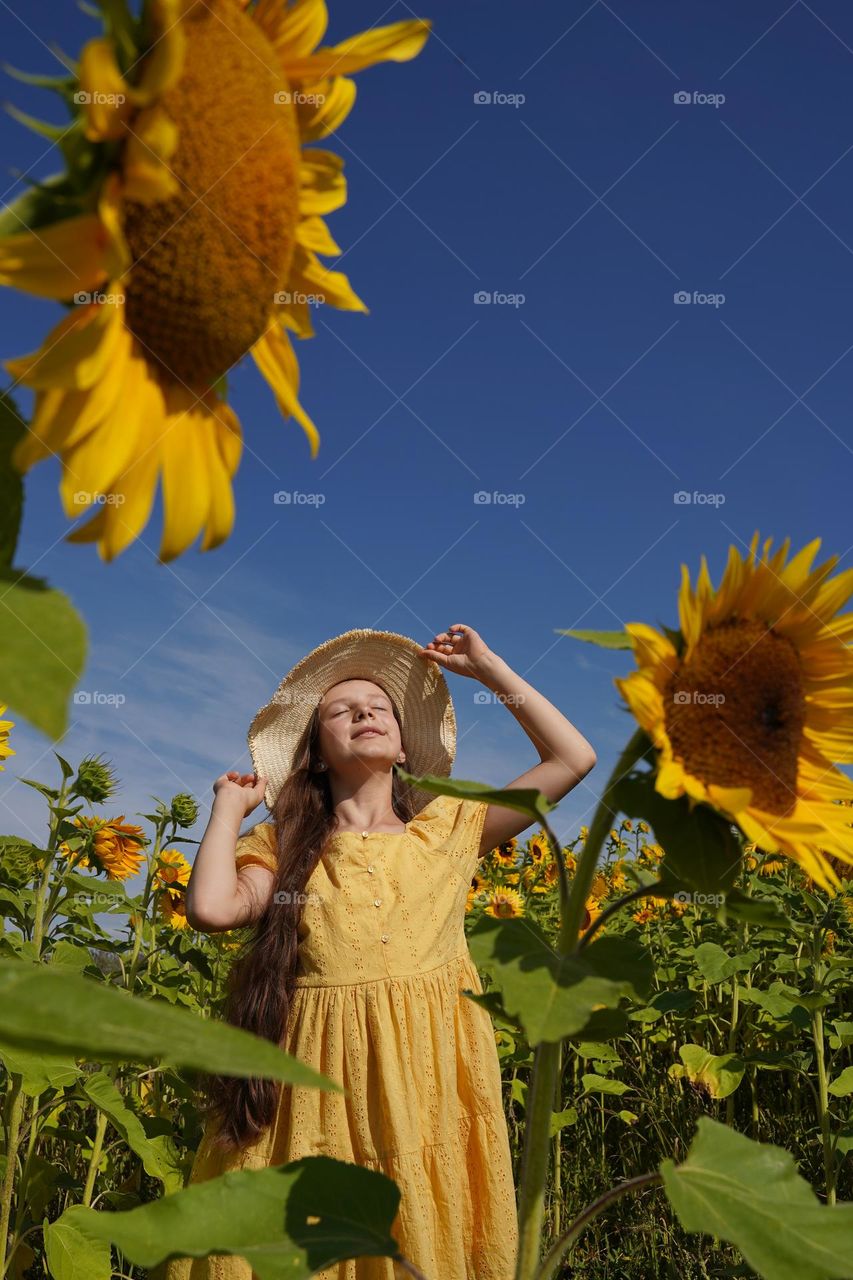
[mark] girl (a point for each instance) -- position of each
(358, 958)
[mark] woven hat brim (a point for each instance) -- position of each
(416, 686)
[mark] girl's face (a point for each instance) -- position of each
(358, 730)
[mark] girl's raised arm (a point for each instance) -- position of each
(220, 897)
(565, 756)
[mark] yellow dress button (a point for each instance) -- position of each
(365, 834)
(385, 937)
(376, 901)
(370, 869)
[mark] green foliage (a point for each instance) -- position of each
(12, 428)
(552, 996)
(44, 650)
(287, 1221)
(677, 1008)
(751, 1194)
(524, 800)
(49, 1008)
(604, 639)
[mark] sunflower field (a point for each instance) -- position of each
(748, 1022)
(740, 1019)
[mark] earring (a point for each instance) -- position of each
(321, 766)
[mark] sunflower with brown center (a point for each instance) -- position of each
(186, 233)
(172, 871)
(5, 749)
(504, 903)
(749, 704)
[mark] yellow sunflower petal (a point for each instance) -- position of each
(397, 42)
(323, 107)
(61, 419)
(693, 606)
(104, 95)
(730, 587)
(276, 360)
(651, 647)
(296, 316)
(121, 520)
(133, 497)
(730, 799)
(58, 260)
(95, 461)
(309, 276)
(110, 212)
(229, 437)
(221, 463)
(152, 142)
(165, 61)
(91, 531)
(312, 233)
(669, 781)
(34, 445)
(293, 30)
(185, 476)
(832, 595)
(76, 352)
(322, 185)
(644, 699)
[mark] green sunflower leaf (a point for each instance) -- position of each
(718, 1074)
(555, 997)
(604, 639)
(159, 1154)
(52, 1009)
(12, 428)
(43, 652)
(759, 911)
(751, 1195)
(715, 964)
(524, 800)
(288, 1222)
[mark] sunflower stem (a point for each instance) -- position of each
(547, 1056)
(43, 917)
(142, 914)
(559, 1250)
(822, 1092)
(732, 1040)
(94, 1159)
(16, 1111)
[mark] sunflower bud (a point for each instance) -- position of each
(184, 809)
(95, 781)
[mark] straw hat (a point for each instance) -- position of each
(415, 685)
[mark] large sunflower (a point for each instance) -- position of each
(749, 704)
(185, 233)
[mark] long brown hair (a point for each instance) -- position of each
(260, 982)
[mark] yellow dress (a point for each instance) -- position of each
(378, 1007)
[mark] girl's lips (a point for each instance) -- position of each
(369, 733)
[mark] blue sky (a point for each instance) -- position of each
(588, 195)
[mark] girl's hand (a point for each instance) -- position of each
(245, 791)
(463, 653)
